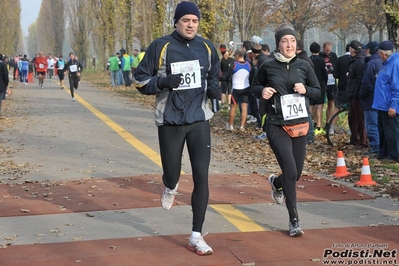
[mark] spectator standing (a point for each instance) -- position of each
(302, 54)
(119, 74)
(239, 73)
(330, 58)
(225, 65)
(316, 106)
(366, 95)
(126, 69)
(141, 54)
(114, 65)
(16, 64)
(135, 60)
(20, 74)
(34, 67)
(386, 101)
(356, 114)
(3, 81)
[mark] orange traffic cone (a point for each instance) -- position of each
(365, 177)
(341, 170)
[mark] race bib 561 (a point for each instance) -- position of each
(191, 72)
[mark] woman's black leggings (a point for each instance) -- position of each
(171, 144)
(290, 154)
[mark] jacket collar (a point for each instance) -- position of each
(392, 57)
(181, 39)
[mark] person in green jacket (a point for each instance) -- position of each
(113, 65)
(135, 60)
(141, 54)
(126, 63)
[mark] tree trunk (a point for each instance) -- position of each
(393, 28)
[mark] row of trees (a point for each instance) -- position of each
(47, 33)
(98, 27)
(10, 29)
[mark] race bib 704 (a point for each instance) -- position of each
(293, 106)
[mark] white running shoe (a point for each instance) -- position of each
(277, 194)
(229, 127)
(168, 197)
(252, 120)
(295, 228)
(73, 99)
(199, 246)
(331, 130)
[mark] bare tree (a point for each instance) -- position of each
(301, 14)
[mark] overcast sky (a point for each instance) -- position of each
(29, 13)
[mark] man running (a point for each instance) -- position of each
(41, 68)
(182, 70)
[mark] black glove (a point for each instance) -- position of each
(213, 92)
(169, 82)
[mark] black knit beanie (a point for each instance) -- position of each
(184, 8)
(279, 34)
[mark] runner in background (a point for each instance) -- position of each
(41, 68)
(74, 68)
(60, 70)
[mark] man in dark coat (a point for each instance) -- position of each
(366, 95)
(3, 80)
(356, 115)
(316, 106)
